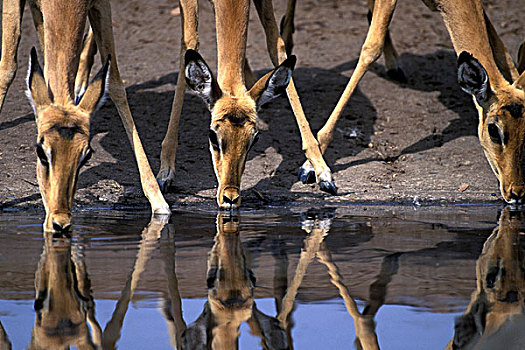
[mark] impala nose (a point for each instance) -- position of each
(229, 200)
(58, 227)
(61, 222)
(516, 194)
(231, 196)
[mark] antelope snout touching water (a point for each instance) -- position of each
(495, 316)
(62, 142)
(64, 307)
(62, 99)
(233, 109)
(485, 70)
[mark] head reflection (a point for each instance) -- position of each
(495, 316)
(230, 282)
(63, 305)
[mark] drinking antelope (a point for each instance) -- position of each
(62, 117)
(485, 70)
(496, 313)
(232, 105)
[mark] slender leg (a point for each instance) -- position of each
(277, 53)
(100, 18)
(521, 58)
(150, 236)
(249, 77)
(392, 62)
(87, 57)
(288, 27)
(370, 52)
(190, 40)
(12, 12)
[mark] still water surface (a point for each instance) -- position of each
(388, 277)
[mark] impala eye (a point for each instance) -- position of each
(495, 134)
(254, 141)
(214, 140)
(87, 156)
(42, 155)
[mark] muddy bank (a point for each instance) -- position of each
(395, 142)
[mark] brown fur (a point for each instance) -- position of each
(230, 298)
(498, 301)
(64, 306)
(234, 75)
(470, 31)
(60, 26)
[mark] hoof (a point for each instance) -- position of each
(165, 179)
(329, 187)
(397, 74)
(306, 175)
(162, 210)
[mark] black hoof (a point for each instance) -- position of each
(164, 185)
(306, 176)
(328, 186)
(397, 74)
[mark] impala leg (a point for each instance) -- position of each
(12, 12)
(190, 40)
(393, 66)
(288, 27)
(277, 52)
(100, 18)
(87, 58)
(370, 52)
(521, 58)
(249, 77)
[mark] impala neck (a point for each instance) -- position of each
(231, 19)
(467, 29)
(64, 23)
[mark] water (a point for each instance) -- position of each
(409, 279)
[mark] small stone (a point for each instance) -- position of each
(463, 187)
(175, 12)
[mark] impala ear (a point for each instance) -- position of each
(96, 90)
(37, 90)
(273, 83)
(473, 78)
(521, 59)
(200, 79)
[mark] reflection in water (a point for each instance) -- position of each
(5, 344)
(230, 283)
(63, 304)
(317, 225)
(495, 317)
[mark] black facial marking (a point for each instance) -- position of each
(67, 132)
(494, 133)
(89, 153)
(41, 154)
(235, 119)
(511, 297)
(213, 139)
(515, 109)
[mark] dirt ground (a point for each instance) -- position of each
(428, 125)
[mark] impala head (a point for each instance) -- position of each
(63, 304)
(501, 128)
(63, 142)
(500, 292)
(230, 280)
(233, 128)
